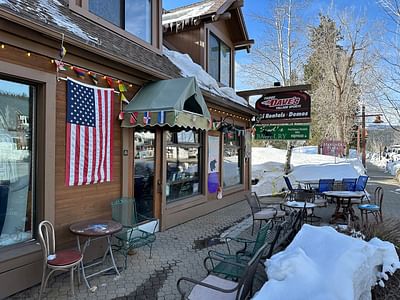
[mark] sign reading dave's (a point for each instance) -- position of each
(284, 107)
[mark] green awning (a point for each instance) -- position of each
(172, 102)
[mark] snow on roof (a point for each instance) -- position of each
(206, 81)
(46, 9)
(322, 264)
(185, 15)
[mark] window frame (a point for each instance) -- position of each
(81, 7)
(241, 164)
(199, 145)
(219, 40)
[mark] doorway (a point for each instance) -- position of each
(144, 166)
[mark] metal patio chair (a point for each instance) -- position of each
(268, 234)
(262, 213)
(289, 195)
(63, 260)
(131, 236)
(214, 287)
(374, 207)
(349, 184)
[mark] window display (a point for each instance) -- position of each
(16, 197)
(232, 174)
(183, 164)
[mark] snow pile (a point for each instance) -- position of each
(185, 15)
(322, 264)
(268, 164)
(206, 81)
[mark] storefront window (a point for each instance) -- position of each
(183, 164)
(16, 197)
(232, 158)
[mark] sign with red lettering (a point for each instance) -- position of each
(284, 107)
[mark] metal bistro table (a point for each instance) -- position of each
(93, 230)
(343, 200)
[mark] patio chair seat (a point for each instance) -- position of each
(201, 292)
(268, 213)
(369, 207)
(64, 257)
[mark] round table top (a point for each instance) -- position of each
(299, 204)
(345, 194)
(95, 228)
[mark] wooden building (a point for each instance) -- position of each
(169, 166)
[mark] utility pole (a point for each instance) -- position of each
(363, 142)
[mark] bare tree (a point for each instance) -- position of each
(338, 69)
(278, 55)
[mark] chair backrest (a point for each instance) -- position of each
(253, 202)
(47, 239)
(378, 196)
(349, 184)
(124, 211)
(361, 183)
(325, 185)
(246, 281)
(304, 196)
(288, 183)
(263, 235)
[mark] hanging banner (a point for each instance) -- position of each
(213, 163)
(284, 107)
(282, 132)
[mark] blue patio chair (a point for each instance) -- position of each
(291, 190)
(349, 184)
(361, 183)
(324, 185)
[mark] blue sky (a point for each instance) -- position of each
(368, 8)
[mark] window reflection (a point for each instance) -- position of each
(134, 16)
(232, 158)
(183, 161)
(16, 203)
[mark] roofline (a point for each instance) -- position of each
(244, 28)
(229, 104)
(53, 33)
(279, 89)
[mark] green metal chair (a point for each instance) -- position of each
(214, 287)
(131, 237)
(215, 265)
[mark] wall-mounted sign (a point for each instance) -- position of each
(284, 107)
(282, 132)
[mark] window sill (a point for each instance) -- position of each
(19, 255)
(233, 189)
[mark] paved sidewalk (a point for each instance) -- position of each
(177, 252)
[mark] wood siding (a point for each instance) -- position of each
(189, 42)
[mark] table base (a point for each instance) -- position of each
(83, 267)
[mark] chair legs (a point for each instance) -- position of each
(45, 279)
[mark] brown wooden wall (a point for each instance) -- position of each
(92, 201)
(188, 42)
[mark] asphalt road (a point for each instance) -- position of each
(391, 190)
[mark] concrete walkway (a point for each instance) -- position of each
(177, 252)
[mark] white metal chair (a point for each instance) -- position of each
(63, 260)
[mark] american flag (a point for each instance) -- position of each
(89, 134)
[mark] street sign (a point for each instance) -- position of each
(282, 132)
(284, 107)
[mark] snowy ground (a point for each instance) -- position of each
(268, 163)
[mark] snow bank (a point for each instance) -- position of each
(268, 164)
(206, 81)
(322, 264)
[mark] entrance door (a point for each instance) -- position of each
(144, 163)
